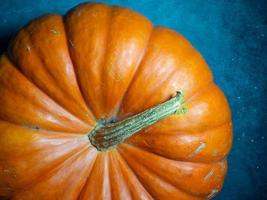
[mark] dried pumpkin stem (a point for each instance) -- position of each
(106, 136)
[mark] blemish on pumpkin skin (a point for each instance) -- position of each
(71, 43)
(222, 165)
(218, 177)
(147, 129)
(117, 77)
(213, 193)
(93, 14)
(211, 172)
(55, 32)
(30, 32)
(9, 172)
(146, 143)
(215, 152)
(32, 127)
(198, 149)
(28, 48)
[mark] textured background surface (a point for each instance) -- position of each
(232, 36)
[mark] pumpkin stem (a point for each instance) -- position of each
(107, 135)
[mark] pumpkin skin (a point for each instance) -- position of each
(62, 74)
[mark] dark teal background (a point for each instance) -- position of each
(232, 36)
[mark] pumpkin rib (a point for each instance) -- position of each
(211, 166)
(125, 162)
(100, 179)
(52, 132)
(119, 17)
(135, 73)
(137, 177)
(199, 91)
(109, 37)
(117, 179)
(39, 54)
(21, 77)
(184, 161)
(83, 188)
(105, 54)
(13, 55)
(167, 78)
(165, 43)
(49, 173)
(203, 130)
(169, 158)
(176, 71)
(161, 85)
(181, 190)
(136, 189)
(126, 168)
(116, 69)
(74, 68)
(71, 45)
(37, 149)
(189, 159)
(58, 168)
(205, 89)
(196, 100)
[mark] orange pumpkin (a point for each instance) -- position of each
(91, 107)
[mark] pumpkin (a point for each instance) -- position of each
(100, 104)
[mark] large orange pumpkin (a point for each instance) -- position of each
(78, 97)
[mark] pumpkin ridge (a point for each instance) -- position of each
(186, 193)
(102, 65)
(199, 91)
(164, 155)
(110, 37)
(205, 90)
(125, 167)
(135, 74)
(162, 84)
(116, 176)
(74, 68)
(125, 162)
(211, 165)
(15, 57)
(168, 158)
(198, 132)
(10, 64)
(105, 189)
(173, 74)
(87, 178)
(51, 76)
(39, 54)
(62, 144)
(83, 188)
(71, 45)
(50, 173)
(196, 98)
